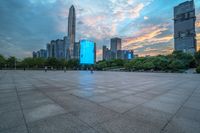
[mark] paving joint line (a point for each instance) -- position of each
(61, 105)
(19, 100)
(167, 123)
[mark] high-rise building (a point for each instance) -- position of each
(76, 50)
(116, 44)
(59, 49)
(72, 30)
(104, 52)
(42, 53)
(184, 27)
(34, 54)
(87, 52)
(67, 44)
(115, 51)
(125, 54)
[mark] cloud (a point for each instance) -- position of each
(198, 41)
(149, 35)
(146, 18)
(27, 25)
(198, 24)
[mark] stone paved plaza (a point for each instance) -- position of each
(103, 102)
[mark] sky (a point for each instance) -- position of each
(145, 26)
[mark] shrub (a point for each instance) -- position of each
(176, 65)
(148, 65)
(197, 57)
(198, 69)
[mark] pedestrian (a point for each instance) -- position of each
(65, 69)
(91, 70)
(45, 68)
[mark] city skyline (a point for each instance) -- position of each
(28, 25)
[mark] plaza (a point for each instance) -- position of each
(102, 102)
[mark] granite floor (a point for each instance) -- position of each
(103, 102)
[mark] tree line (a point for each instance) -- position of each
(36, 63)
(175, 62)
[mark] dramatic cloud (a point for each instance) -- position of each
(144, 25)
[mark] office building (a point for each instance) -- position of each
(104, 52)
(116, 44)
(34, 54)
(76, 50)
(115, 51)
(58, 49)
(42, 53)
(87, 52)
(72, 30)
(184, 27)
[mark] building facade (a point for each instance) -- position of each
(42, 53)
(116, 44)
(76, 50)
(87, 52)
(58, 49)
(116, 52)
(65, 48)
(104, 52)
(184, 27)
(72, 30)
(125, 54)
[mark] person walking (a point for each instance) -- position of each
(45, 68)
(92, 70)
(65, 69)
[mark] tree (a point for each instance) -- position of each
(198, 69)
(176, 65)
(11, 61)
(197, 57)
(73, 64)
(2, 61)
(148, 65)
(101, 65)
(28, 63)
(51, 62)
(39, 62)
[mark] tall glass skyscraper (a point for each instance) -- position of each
(184, 27)
(72, 30)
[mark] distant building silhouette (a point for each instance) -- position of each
(116, 52)
(184, 27)
(42, 53)
(72, 30)
(76, 50)
(87, 52)
(58, 48)
(65, 48)
(34, 54)
(116, 44)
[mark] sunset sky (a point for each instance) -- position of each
(146, 26)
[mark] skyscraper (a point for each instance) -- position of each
(58, 48)
(184, 27)
(87, 52)
(76, 50)
(72, 30)
(116, 44)
(104, 52)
